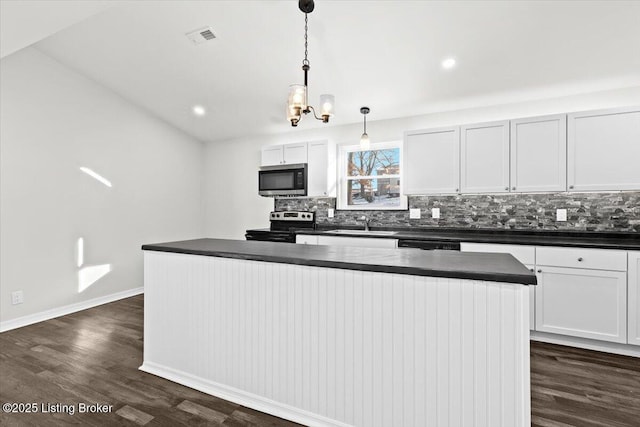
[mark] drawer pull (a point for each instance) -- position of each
(531, 269)
(580, 259)
(539, 270)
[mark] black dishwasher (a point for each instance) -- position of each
(429, 245)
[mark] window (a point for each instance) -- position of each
(371, 179)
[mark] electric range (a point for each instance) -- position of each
(283, 223)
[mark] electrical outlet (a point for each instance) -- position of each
(414, 213)
(435, 213)
(17, 297)
(330, 213)
(561, 214)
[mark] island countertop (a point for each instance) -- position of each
(452, 264)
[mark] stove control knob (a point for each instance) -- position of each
(273, 215)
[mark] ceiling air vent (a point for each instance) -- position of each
(201, 35)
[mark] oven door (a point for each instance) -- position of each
(283, 180)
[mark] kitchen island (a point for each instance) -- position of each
(342, 336)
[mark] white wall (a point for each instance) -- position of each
(240, 159)
(53, 121)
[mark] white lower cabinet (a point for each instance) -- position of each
(633, 278)
(361, 242)
(305, 239)
(582, 303)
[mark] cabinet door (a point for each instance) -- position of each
(321, 169)
(305, 239)
(432, 161)
(539, 154)
(582, 303)
(633, 275)
(271, 155)
(361, 242)
(295, 153)
(532, 301)
(603, 150)
(484, 158)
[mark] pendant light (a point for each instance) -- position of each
(297, 103)
(365, 144)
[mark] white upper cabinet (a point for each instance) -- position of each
(272, 155)
(284, 154)
(321, 169)
(432, 161)
(484, 158)
(603, 150)
(539, 154)
(320, 157)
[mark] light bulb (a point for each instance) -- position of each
(327, 103)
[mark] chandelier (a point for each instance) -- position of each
(298, 94)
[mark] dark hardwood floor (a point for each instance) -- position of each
(93, 357)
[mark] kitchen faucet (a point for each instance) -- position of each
(366, 222)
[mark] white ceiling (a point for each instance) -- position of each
(383, 54)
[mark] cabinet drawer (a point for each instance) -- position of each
(597, 259)
(524, 254)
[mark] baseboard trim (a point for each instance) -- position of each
(241, 397)
(604, 346)
(30, 319)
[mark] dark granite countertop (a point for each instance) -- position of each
(585, 239)
(453, 264)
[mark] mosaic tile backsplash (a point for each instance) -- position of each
(609, 212)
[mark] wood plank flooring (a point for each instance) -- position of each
(93, 357)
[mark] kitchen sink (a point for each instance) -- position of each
(364, 232)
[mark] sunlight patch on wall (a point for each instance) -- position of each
(96, 176)
(87, 276)
(80, 252)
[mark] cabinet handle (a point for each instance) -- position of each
(457, 190)
(531, 269)
(513, 188)
(539, 270)
(506, 188)
(571, 187)
(580, 259)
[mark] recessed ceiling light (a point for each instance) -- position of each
(448, 63)
(199, 110)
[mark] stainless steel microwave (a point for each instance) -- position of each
(283, 180)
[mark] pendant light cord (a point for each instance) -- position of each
(306, 44)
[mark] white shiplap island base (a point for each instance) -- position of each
(327, 346)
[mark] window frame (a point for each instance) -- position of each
(343, 178)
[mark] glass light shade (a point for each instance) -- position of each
(297, 97)
(327, 105)
(365, 143)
